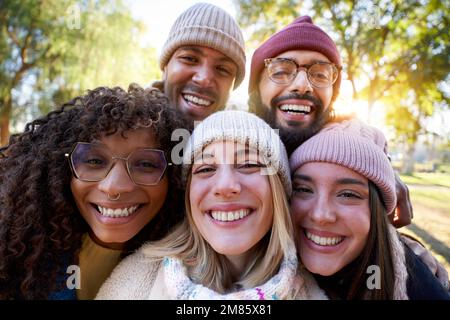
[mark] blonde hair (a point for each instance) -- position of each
(211, 269)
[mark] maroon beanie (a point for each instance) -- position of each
(301, 34)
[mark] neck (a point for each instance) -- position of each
(237, 264)
(109, 245)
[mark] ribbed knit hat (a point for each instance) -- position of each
(245, 128)
(301, 34)
(204, 24)
(356, 146)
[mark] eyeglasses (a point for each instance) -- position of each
(92, 162)
(284, 71)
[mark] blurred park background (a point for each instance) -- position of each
(396, 59)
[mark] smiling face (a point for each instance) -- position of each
(198, 80)
(231, 201)
(330, 212)
(298, 109)
(114, 222)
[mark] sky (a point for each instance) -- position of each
(160, 15)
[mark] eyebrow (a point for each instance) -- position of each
(200, 52)
(245, 151)
(339, 181)
(302, 177)
(202, 156)
(351, 181)
(312, 61)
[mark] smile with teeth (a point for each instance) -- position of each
(323, 241)
(294, 108)
(198, 101)
(117, 213)
(230, 215)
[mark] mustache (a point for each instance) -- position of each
(201, 91)
(293, 95)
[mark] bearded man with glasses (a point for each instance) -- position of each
(295, 77)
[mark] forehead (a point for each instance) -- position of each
(303, 56)
(328, 172)
(130, 140)
(205, 52)
(228, 150)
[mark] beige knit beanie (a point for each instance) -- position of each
(245, 128)
(354, 145)
(207, 25)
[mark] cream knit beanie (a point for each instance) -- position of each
(207, 25)
(356, 146)
(245, 128)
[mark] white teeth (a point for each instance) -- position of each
(116, 213)
(198, 101)
(294, 108)
(323, 241)
(230, 215)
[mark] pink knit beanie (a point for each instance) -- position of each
(301, 34)
(356, 146)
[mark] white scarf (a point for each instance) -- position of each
(281, 286)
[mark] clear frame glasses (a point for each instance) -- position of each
(284, 71)
(92, 162)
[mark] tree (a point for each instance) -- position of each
(57, 49)
(262, 18)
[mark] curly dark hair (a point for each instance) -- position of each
(40, 225)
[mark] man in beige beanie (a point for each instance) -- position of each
(202, 61)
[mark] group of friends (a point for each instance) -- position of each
(285, 201)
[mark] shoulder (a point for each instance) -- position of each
(421, 283)
(132, 279)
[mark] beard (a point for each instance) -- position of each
(295, 134)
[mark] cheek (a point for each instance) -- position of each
(79, 190)
(268, 90)
(175, 73)
(198, 190)
(158, 193)
(325, 96)
(299, 208)
(357, 220)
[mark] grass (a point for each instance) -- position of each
(430, 195)
(426, 178)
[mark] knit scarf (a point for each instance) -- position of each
(281, 286)
(400, 271)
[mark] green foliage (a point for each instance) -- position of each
(263, 18)
(395, 51)
(53, 50)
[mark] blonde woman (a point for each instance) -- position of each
(236, 241)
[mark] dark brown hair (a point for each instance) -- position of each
(40, 225)
(378, 252)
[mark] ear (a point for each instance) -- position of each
(164, 73)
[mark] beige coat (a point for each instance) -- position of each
(139, 278)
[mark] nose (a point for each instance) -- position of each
(203, 76)
(226, 184)
(322, 211)
(301, 83)
(118, 181)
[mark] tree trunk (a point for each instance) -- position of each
(5, 115)
(408, 162)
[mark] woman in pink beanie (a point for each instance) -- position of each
(343, 190)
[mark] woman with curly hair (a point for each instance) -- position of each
(84, 186)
